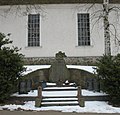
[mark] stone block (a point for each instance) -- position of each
(82, 102)
(29, 85)
(23, 87)
(37, 102)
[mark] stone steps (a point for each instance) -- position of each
(62, 100)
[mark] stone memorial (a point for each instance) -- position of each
(58, 71)
(90, 85)
(96, 85)
(29, 85)
(23, 87)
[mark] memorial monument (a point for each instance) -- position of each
(59, 72)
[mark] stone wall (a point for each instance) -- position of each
(89, 60)
(80, 77)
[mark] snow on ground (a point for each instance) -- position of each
(31, 68)
(90, 106)
(91, 93)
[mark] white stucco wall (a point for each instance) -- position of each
(58, 31)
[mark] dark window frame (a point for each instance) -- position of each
(33, 30)
(83, 20)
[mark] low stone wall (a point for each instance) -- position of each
(80, 77)
(89, 60)
(96, 98)
(87, 98)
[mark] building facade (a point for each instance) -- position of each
(41, 30)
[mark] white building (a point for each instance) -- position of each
(43, 29)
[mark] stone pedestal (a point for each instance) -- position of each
(39, 97)
(81, 100)
(37, 102)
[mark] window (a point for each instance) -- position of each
(83, 30)
(33, 30)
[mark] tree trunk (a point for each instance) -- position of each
(106, 30)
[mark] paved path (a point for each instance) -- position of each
(47, 113)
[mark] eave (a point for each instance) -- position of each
(31, 2)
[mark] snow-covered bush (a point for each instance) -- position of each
(109, 72)
(11, 66)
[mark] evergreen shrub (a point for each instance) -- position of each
(11, 66)
(109, 73)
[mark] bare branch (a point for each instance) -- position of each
(89, 8)
(98, 18)
(115, 33)
(115, 8)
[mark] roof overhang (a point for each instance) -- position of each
(31, 2)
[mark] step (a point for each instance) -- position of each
(73, 104)
(70, 87)
(59, 93)
(58, 100)
(62, 85)
(59, 103)
(64, 89)
(59, 97)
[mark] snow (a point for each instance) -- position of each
(86, 68)
(30, 94)
(59, 93)
(91, 93)
(90, 107)
(60, 98)
(31, 68)
(60, 88)
(60, 102)
(50, 83)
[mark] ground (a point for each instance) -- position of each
(48, 112)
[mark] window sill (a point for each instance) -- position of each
(84, 46)
(33, 47)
